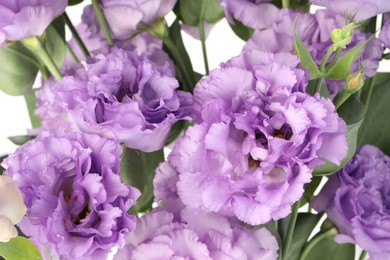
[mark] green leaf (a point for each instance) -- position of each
(329, 167)
(241, 30)
(353, 112)
(18, 71)
(304, 226)
(175, 36)
(19, 248)
(328, 249)
(343, 66)
(20, 139)
(191, 12)
(310, 188)
(75, 2)
(176, 129)
(31, 106)
(376, 126)
(304, 55)
(137, 170)
(55, 41)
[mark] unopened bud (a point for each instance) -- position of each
(342, 37)
(354, 82)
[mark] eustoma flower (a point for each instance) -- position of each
(258, 137)
(360, 9)
(122, 96)
(196, 235)
(117, 12)
(23, 18)
(12, 208)
(247, 12)
(357, 200)
(77, 204)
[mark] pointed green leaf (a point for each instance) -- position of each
(18, 71)
(31, 106)
(342, 68)
(75, 2)
(191, 11)
(19, 248)
(55, 41)
(241, 30)
(20, 139)
(376, 126)
(328, 249)
(304, 55)
(304, 226)
(137, 170)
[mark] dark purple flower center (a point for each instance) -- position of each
(284, 132)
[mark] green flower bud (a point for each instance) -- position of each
(354, 82)
(342, 37)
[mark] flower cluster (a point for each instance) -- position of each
(77, 204)
(258, 137)
(121, 95)
(357, 200)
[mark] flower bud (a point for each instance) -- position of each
(342, 37)
(354, 82)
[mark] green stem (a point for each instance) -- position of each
(176, 56)
(46, 59)
(314, 241)
(335, 58)
(341, 98)
(318, 85)
(102, 21)
(74, 56)
(286, 3)
(290, 230)
(325, 59)
(203, 38)
(76, 35)
(363, 255)
(204, 50)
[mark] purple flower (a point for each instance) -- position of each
(315, 31)
(23, 18)
(76, 202)
(258, 137)
(361, 9)
(196, 235)
(384, 35)
(144, 44)
(117, 12)
(121, 96)
(357, 200)
(247, 12)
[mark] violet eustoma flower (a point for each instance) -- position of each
(76, 201)
(23, 18)
(384, 35)
(258, 137)
(12, 208)
(117, 12)
(196, 235)
(247, 12)
(122, 96)
(360, 9)
(357, 200)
